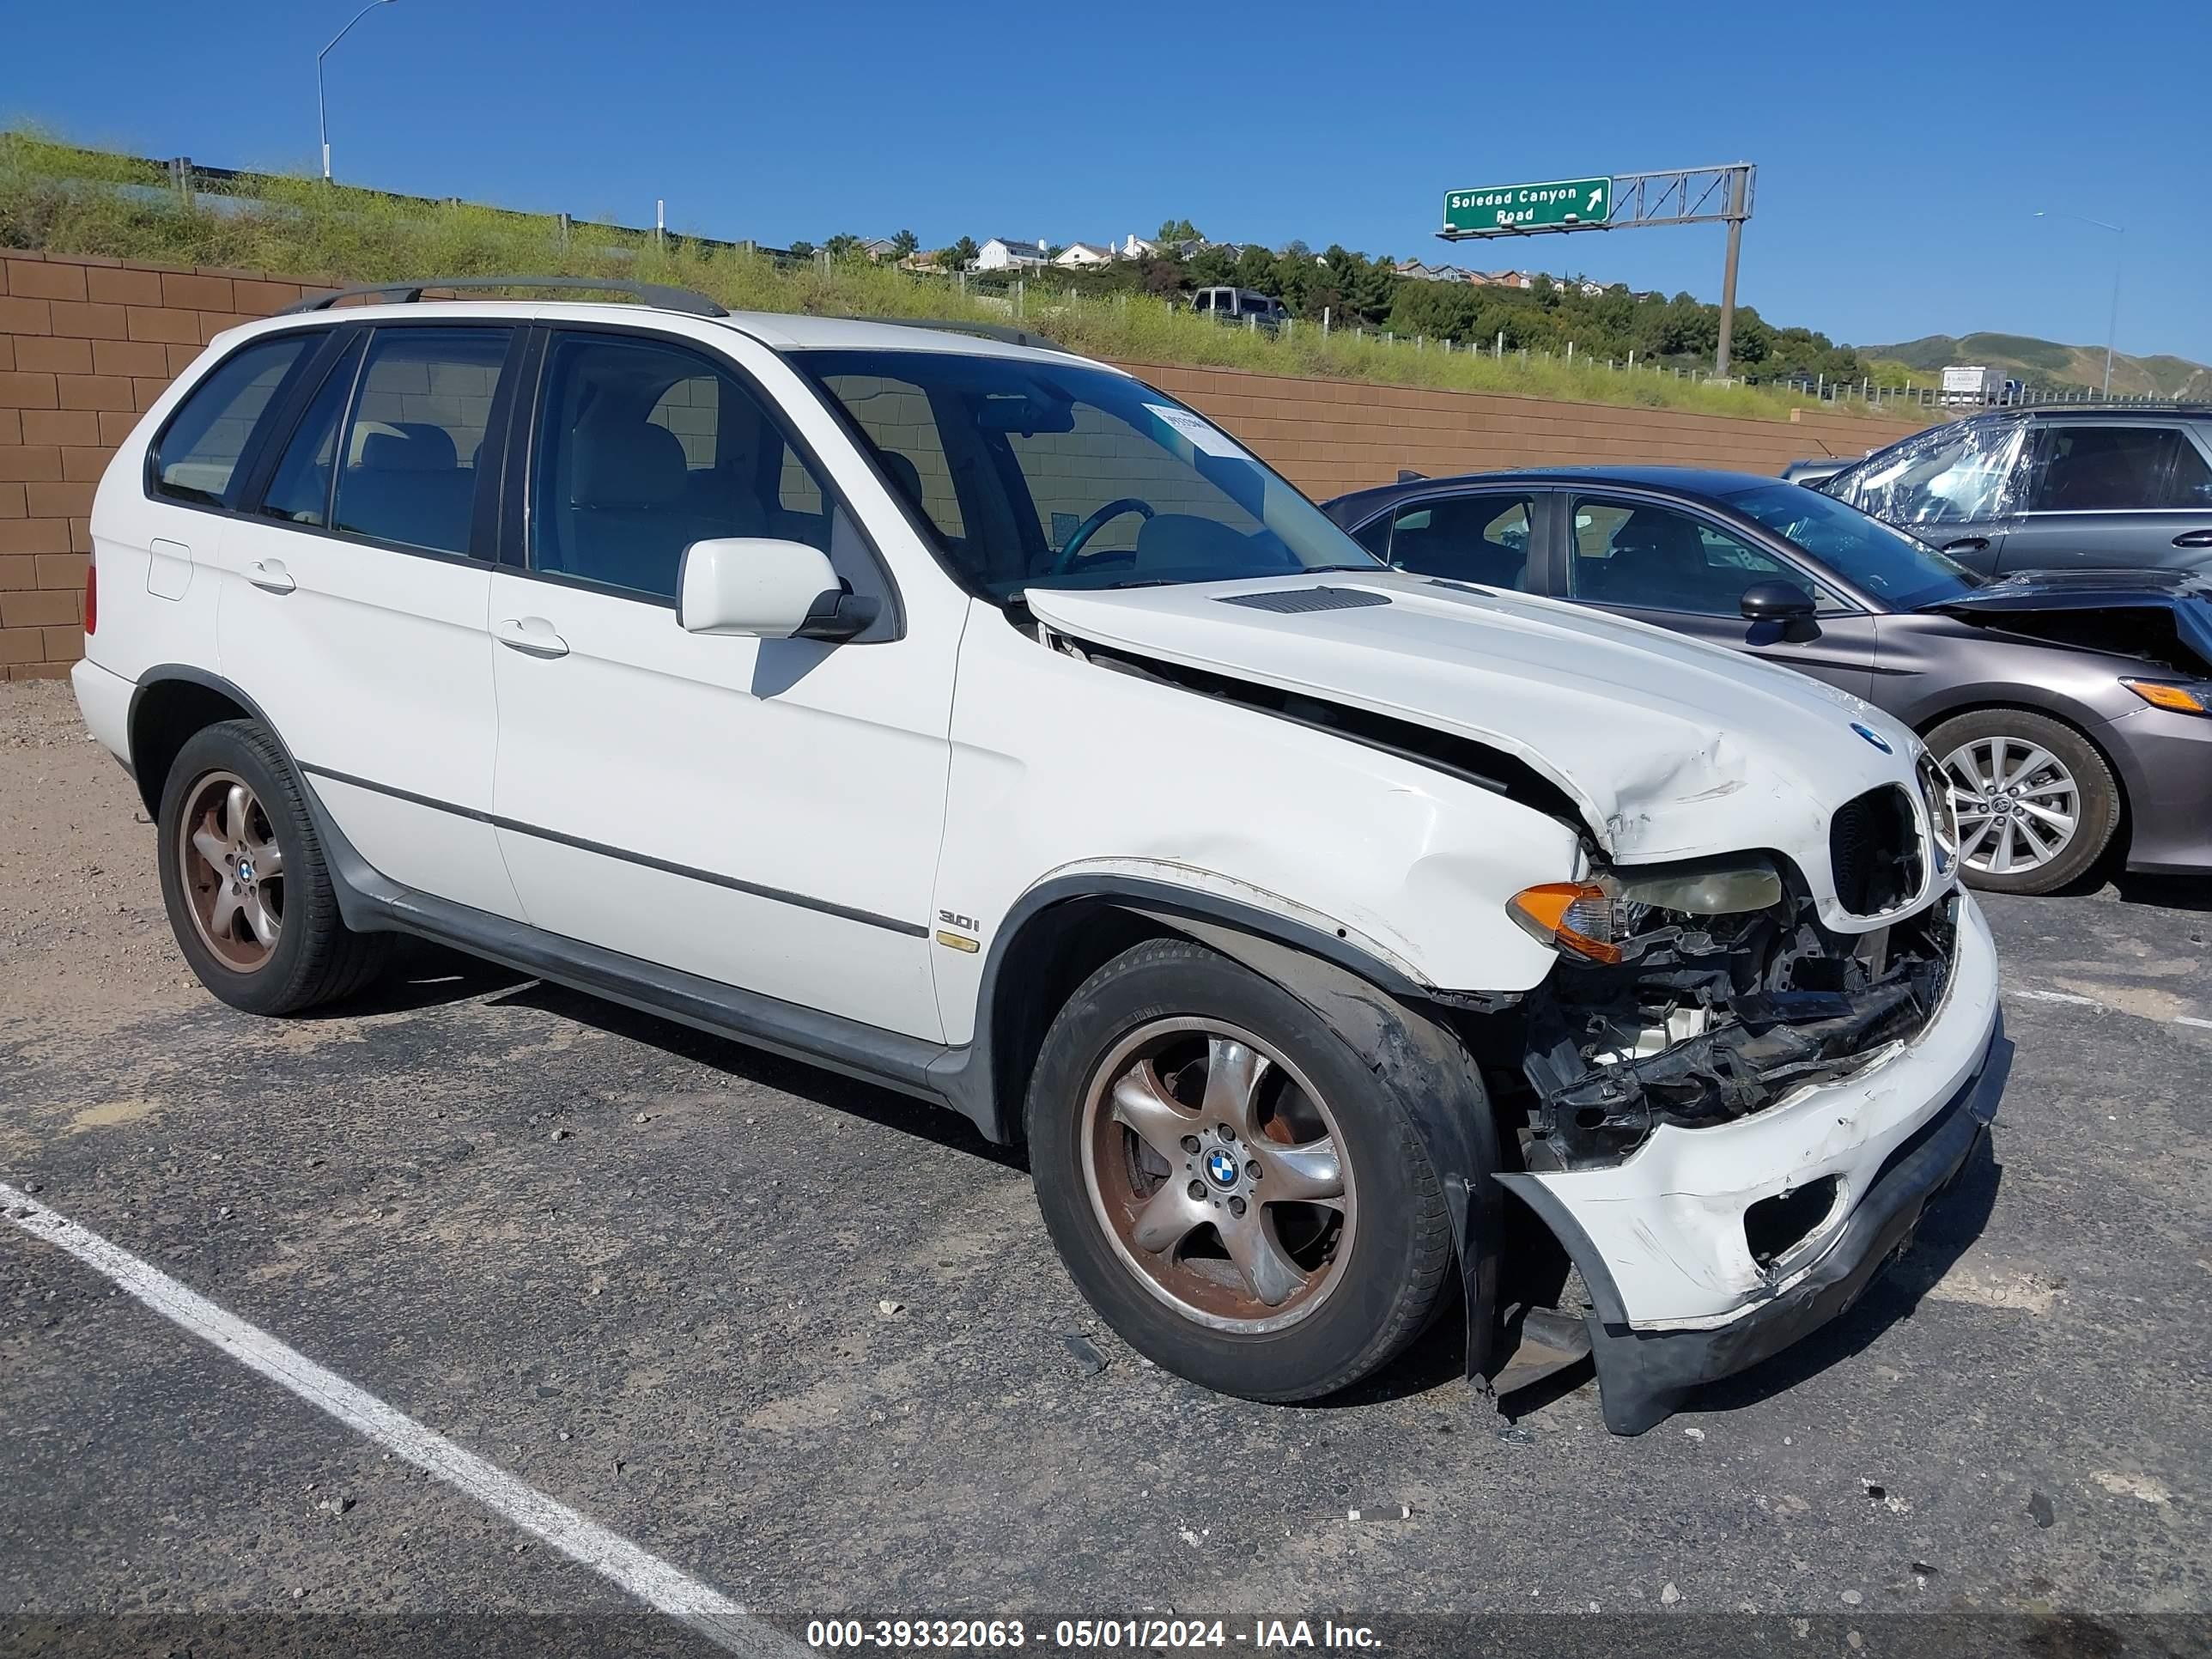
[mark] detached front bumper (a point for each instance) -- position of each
(1679, 1296)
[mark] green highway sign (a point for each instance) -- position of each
(1504, 210)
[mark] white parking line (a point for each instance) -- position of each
(661, 1587)
(2029, 994)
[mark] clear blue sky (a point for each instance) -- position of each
(1903, 148)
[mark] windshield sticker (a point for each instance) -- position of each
(1206, 440)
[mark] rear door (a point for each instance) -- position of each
(1664, 564)
(1487, 536)
(2130, 492)
(355, 584)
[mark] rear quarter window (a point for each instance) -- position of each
(196, 456)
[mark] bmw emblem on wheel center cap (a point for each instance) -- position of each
(1873, 737)
(1221, 1168)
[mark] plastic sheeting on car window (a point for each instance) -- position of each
(1956, 474)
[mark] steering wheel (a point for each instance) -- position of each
(1092, 526)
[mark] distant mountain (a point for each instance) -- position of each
(2046, 364)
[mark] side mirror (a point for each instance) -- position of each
(769, 590)
(1776, 601)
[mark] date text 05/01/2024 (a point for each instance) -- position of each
(1086, 1634)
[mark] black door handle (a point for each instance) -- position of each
(1972, 544)
(2194, 539)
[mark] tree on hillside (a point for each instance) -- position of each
(960, 255)
(1256, 269)
(904, 244)
(843, 248)
(1211, 267)
(1178, 230)
(802, 250)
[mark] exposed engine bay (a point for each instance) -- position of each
(1710, 1017)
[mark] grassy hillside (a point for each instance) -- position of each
(2048, 365)
(62, 199)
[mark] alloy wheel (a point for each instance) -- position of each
(233, 871)
(2019, 805)
(1218, 1172)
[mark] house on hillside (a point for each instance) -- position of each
(879, 248)
(1509, 279)
(1136, 247)
(1010, 253)
(1416, 271)
(1077, 255)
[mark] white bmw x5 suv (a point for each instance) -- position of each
(969, 717)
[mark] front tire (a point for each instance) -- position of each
(248, 891)
(2037, 801)
(1231, 1187)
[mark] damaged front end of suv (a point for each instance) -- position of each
(1702, 996)
(1731, 1113)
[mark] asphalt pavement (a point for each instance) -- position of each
(803, 1343)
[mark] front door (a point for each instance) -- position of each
(355, 592)
(1664, 565)
(2137, 493)
(764, 813)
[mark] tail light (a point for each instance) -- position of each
(91, 597)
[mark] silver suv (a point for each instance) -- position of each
(2065, 488)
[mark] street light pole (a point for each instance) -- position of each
(2120, 265)
(322, 116)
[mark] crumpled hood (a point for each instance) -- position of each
(2165, 615)
(1671, 747)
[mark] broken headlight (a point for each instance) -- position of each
(1942, 811)
(1599, 918)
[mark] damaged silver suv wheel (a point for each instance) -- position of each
(1211, 1163)
(1239, 1193)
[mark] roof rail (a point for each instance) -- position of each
(1020, 337)
(654, 293)
(2194, 408)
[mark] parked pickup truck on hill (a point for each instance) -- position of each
(977, 720)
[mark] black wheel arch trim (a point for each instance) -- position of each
(171, 673)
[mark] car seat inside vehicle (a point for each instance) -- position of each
(630, 509)
(1655, 559)
(407, 486)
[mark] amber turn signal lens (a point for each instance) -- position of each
(2177, 698)
(1574, 916)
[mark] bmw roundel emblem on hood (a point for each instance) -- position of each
(1873, 737)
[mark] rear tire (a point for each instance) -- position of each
(1343, 1245)
(244, 877)
(2037, 801)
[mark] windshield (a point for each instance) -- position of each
(1902, 573)
(1040, 474)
